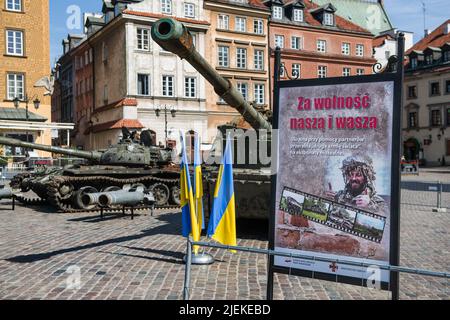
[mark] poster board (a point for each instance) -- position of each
(335, 193)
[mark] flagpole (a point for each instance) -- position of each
(187, 274)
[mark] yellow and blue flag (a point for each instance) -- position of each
(222, 221)
(187, 198)
(198, 185)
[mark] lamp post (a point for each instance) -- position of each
(166, 111)
(36, 103)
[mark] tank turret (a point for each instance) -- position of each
(126, 153)
(173, 36)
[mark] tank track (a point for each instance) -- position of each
(65, 205)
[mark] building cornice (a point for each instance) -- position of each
(234, 9)
(329, 58)
(319, 28)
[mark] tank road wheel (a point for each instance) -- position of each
(161, 193)
(65, 191)
(175, 195)
(77, 198)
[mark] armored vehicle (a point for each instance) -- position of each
(251, 175)
(130, 164)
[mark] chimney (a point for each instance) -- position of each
(427, 33)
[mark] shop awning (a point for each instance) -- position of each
(20, 115)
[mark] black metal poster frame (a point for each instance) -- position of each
(392, 73)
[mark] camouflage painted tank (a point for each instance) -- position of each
(131, 163)
(252, 178)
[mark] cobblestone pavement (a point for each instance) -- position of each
(42, 252)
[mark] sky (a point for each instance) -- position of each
(405, 15)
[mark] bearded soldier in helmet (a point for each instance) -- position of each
(359, 176)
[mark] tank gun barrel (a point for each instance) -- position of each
(173, 36)
(91, 155)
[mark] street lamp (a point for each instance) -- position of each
(158, 113)
(36, 103)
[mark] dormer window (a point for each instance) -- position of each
(413, 63)
(328, 19)
(429, 59)
(277, 12)
(298, 15)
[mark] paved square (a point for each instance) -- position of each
(42, 253)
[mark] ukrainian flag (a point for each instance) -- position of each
(187, 198)
(222, 222)
(198, 185)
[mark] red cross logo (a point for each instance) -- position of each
(333, 267)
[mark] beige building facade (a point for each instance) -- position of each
(25, 42)
(238, 50)
(426, 117)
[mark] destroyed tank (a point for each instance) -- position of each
(252, 176)
(131, 163)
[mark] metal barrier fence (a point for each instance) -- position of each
(399, 269)
(428, 188)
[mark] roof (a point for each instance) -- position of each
(117, 104)
(20, 115)
(379, 41)
(356, 11)
(436, 39)
(255, 4)
(341, 23)
(116, 124)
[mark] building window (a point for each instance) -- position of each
(346, 72)
(436, 118)
(359, 72)
(167, 86)
(328, 19)
(258, 26)
(346, 49)
(259, 93)
(296, 43)
(277, 12)
(86, 58)
(189, 10)
(14, 5)
(282, 70)
(241, 24)
(143, 39)
(434, 89)
(166, 6)
(447, 86)
(360, 50)
(322, 72)
(448, 116)
(279, 41)
(15, 86)
(296, 70)
(321, 46)
(14, 42)
(429, 59)
(412, 120)
(224, 21)
(243, 89)
(224, 57)
(190, 87)
(412, 92)
(259, 60)
(414, 63)
(104, 52)
(298, 15)
(241, 55)
(143, 85)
